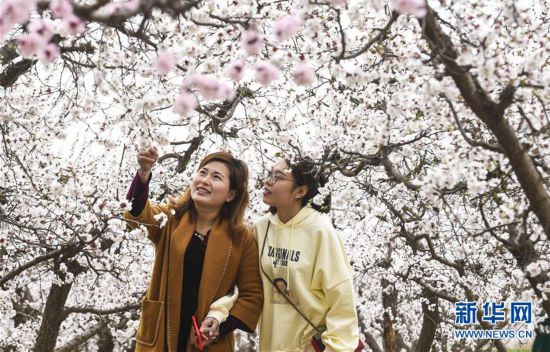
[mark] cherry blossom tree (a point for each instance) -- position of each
(430, 120)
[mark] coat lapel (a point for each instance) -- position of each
(216, 261)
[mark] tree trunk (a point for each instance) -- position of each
(52, 318)
(430, 322)
(389, 302)
(105, 340)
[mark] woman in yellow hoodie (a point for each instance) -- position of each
(302, 258)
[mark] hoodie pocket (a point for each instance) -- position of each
(149, 325)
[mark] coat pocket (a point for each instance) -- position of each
(149, 325)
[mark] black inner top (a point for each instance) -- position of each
(192, 270)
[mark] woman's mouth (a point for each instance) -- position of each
(267, 192)
(202, 190)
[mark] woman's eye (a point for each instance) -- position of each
(202, 172)
(217, 177)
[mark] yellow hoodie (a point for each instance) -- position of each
(306, 257)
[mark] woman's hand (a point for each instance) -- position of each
(193, 339)
(146, 159)
(210, 330)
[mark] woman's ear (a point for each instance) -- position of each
(231, 196)
(300, 192)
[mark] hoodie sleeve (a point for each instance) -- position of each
(334, 279)
(249, 303)
(342, 332)
(220, 308)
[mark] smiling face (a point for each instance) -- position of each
(283, 192)
(281, 285)
(211, 186)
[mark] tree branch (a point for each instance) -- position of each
(79, 340)
(492, 115)
(378, 37)
(91, 310)
(36, 261)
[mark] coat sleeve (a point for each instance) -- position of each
(334, 280)
(249, 303)
(147, 218)
(220, 308)
(143, 212)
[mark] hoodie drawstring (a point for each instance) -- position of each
(299, 220)
(289, 247)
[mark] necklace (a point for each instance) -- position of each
(201, 237)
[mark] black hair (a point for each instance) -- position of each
(280, 279)
(307, 173)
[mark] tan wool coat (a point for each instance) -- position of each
(230, 259)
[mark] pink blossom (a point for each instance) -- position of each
(43, 28)
(61, 8)
(5, 27)
(252, 42)
(16, 11)
(13, 12)
(416, 8)
(211, 88)
(132, 5)
(184, 103)
(266, 73)
(36, 41)
(337, 3)
(113, 9)
(73, 25)
(29, 44)
(187, 84)
(227, 91)
(235, 70)
(121, 8)
(49, 53)
(286, 27)
(165, 62)
(303, 75)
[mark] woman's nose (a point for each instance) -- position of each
(204, 179)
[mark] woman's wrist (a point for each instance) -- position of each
(144, 175)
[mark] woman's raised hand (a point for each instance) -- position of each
(146, 159)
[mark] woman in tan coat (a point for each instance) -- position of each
(203, 250)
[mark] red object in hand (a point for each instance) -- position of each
(197, 331)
